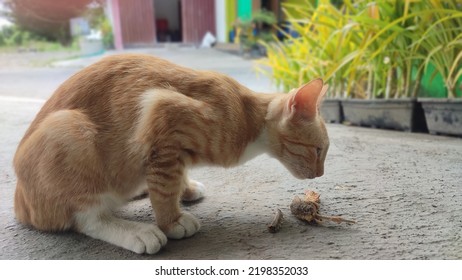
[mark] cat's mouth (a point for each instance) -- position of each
(303, 174)
(309, 176)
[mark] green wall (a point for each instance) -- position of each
(244, 9)
(230, 16)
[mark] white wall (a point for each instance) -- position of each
(220, 20)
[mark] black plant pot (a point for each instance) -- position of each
(444, 116)
(400, 114)
(331, 110)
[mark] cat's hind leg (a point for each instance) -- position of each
(58, 171)
(62, 186)
(99, 222)
(193, 191)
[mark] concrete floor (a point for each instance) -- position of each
(404, 190)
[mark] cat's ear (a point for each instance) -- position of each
(304, 104)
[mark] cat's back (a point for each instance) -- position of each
(113, 85)
(127, 76)
(116, 77)
(110, 89)
(119, 80)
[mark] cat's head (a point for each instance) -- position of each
(296, 132)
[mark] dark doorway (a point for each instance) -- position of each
(168, 20)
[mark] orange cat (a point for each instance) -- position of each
(131, 122)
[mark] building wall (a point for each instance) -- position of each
(231, 14)
(198, 18)
(244, 9)
(136, 19)
(256, 5)
(137, 22)
(220, 21)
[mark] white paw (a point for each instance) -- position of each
(195, 191)
(185, 226)
(200, 190)
(138, 237)
(145, 238)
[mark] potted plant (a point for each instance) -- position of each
(386, 95)
(440, 48)
(373, 55)
(305, 52)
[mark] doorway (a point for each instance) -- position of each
(168, 20)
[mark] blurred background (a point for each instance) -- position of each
(383, 49)
(390, 64)
(133, 23)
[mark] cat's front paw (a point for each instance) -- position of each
(186, 226)
(147, 239)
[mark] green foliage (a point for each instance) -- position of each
(258, 29)
(264, 17)
(13, 38)
(108, 36)
(370, 49)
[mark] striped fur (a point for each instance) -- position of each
(133, 121)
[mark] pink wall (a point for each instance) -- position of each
(133, 22)
(198, 18)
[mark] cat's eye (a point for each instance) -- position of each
(318, 152)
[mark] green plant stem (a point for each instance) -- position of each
(388, 86)
(369, 83)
